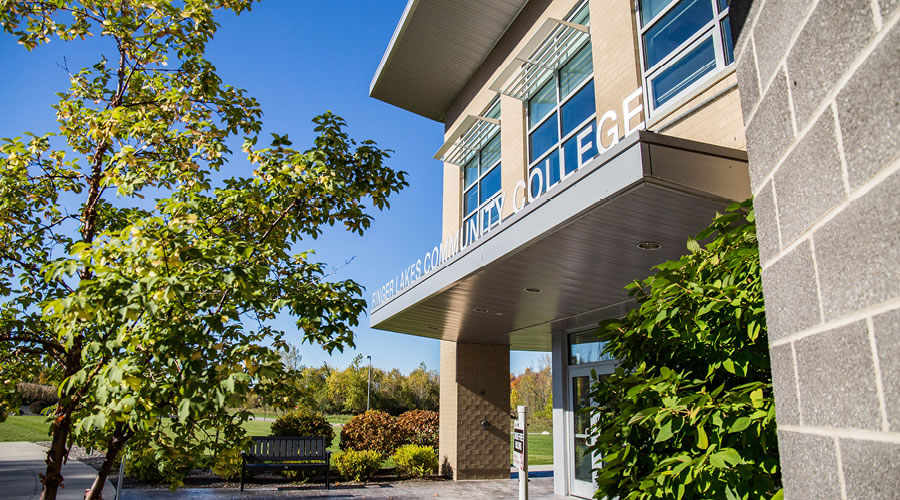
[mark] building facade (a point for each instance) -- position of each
(585, 140)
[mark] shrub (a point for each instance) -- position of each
(227, 464)
(36, 407)
(358, 465)
(416, 461)
(37, 392)
(303, 423)
(419, 427)
(373, 430)
(143, 462)
(689, 412)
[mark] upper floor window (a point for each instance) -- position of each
(682, 41)
(481, 184)
(559, 112)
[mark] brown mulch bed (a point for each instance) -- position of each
(204, 478)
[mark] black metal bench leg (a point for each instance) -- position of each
(327, 476)
(242, 474)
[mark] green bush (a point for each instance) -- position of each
(303, 423)
(144, 462)
(373, 430)
(419, 427)
(227, 465)
(358, 465)
(415, 460)
(689, 412)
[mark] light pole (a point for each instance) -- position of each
(369, 389)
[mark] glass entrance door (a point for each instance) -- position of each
(581, 459)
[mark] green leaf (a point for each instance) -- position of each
(779, 495)
(665, 432)
(740, 424)
(702, 440)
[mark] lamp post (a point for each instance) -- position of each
(369, 389)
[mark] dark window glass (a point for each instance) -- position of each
(723, 4)
(578, 108)
(728, 44)
(542, 102)
(471, 202)
(575, 71)
(490, 185)
(470, 226)
(490, 153)
(549, 175)
(675, 28)
(586, 348)
(490, 218)
(650, 8)
(570, 149)
(543, 138)
(698, 62)
(471, 171)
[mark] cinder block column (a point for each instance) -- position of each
(821, 104)
(474, 389)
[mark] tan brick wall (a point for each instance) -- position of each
(452, 200)
(718, 121)
(614, 50)
(513, 148)
(474, 388)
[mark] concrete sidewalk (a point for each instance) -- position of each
(540, 488)
(20, 464)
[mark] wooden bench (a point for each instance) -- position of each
(276, 453)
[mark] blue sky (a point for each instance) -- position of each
(299, 59)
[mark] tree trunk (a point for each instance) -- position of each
(52, 477)
(116, 444)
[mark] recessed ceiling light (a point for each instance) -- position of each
(432, 328)
(480, 310)
(498, 314)
(533, 290)
(649, 245)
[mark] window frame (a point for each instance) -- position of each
(556, 112)
(713, 28)
(476, 184)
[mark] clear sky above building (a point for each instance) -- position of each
(299, 59)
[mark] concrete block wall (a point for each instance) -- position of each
(474, 389)
(820, 92)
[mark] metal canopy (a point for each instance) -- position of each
(577, 244)
(469, 137)
(548, 49)
(436, 48)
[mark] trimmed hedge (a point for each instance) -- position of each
(357, 465)
(37, 392)
(416, 461)
(419, 427)
(373, 430)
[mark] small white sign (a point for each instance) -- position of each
(519, 446)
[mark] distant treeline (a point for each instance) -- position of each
(332, 391)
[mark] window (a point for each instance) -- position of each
(585, 348)
(481, 185)
(682, 41)
(558, 113)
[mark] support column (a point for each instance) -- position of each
(818, 83)
(474, 389)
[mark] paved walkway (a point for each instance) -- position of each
(20, 464)
(538, 488)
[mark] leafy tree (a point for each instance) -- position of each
(689, 412)
(154, 307)
(347, 388)
(534, 389)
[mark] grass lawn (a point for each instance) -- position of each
(25, 428)
(540, 449)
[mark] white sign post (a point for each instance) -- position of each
(520, 452)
